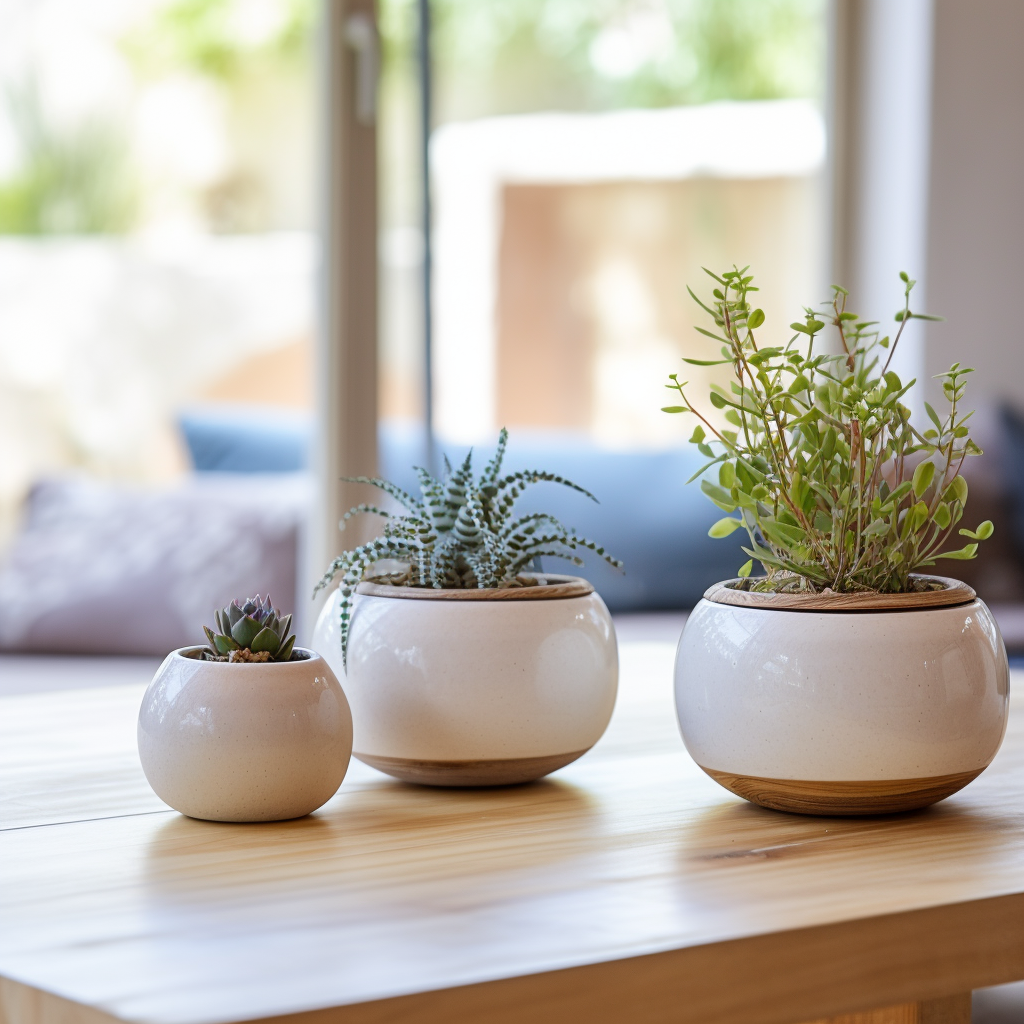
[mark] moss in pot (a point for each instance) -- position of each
(466, 667)
(250, 728)
(844, 680)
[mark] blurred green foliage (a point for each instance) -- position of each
(222, 38)
(490, 57)
(502, 56)
(69, 180)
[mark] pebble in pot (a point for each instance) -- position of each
(250, 728)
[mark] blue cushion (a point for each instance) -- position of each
(245, 439)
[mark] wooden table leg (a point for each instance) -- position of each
(950, 1010)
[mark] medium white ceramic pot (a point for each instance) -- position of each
(475, 687)
(844, 705)
(244, 741)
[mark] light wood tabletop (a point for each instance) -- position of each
(628, 887)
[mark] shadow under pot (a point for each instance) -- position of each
(475, 687)
(237, 741)
(845, 704)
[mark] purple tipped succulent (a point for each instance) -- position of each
(255, 626)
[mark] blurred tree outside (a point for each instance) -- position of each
(253, 58)
(76, 180)
(513, 56)
(215, 88)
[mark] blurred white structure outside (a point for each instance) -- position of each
(473, 161)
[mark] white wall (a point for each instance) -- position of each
(881, 116)
(975, 268)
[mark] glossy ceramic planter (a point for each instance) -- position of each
(475, 688)
(244, 742)
(842, 712)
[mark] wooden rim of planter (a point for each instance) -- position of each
(553, 587)
(953, 592)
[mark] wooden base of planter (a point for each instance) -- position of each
(845, 799)
(503, 772)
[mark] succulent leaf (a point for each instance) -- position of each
(224, 644)
(265, 640)
(245, 629)
(285, 653)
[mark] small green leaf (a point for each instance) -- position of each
(943, 517)
(674, 408)
(724, 527)
(923, 476)
(985, 530)
(957, 490)
(746, 568)
(698, 435)
(963, 554)
(755, 319)
(718, 495)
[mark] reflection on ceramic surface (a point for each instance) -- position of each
(836, 696)
(245, 742)
(451, 680)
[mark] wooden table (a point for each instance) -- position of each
(628, 888)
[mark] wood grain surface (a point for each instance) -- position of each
(509, 771)
(885, 796)
(952, 1010)
(628, 887)
(554, 588)
(952, 592)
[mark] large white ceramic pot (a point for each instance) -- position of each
(475, 687)
(244, 741)
(842, 704)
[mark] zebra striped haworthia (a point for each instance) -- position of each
(459, 534)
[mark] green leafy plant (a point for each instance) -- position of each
(252, 630)
(460, 534)
(820, 463)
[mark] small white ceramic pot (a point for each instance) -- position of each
(475, 687)
(245, 741)
(876, 706)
